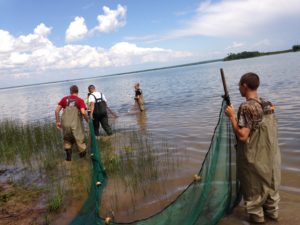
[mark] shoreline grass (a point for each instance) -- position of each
(130, 157)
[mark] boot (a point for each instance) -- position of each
(68, 154)
(82, 154)
(253, 218)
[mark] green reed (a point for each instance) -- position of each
(27, 141)
(130, 157)
(137, 165)
(55, 200)
(135, 158)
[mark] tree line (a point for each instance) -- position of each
(247, 54)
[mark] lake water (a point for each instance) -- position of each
(182, 105)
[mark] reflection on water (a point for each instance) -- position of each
(141, 119)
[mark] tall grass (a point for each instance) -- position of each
(130, 157)
(28, 141)
(138, 168)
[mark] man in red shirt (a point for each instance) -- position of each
(71, 122)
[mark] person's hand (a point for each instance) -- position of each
(229, 111)
(114, 114)
(58, 125)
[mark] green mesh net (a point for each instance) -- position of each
(205, 201)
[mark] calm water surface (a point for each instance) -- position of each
(182, 104)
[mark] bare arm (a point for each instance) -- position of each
(242, 133)
(84, 114)
(112, 112)
(57, 117)
(92, 107)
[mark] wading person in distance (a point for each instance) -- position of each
(139, 98)
(258, 154)
(98, 109)
(71, 122)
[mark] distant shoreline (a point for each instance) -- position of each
(252, 54)
(115, 74)
(231, 56)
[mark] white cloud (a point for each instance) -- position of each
(235, 45)
(238, 18)
(18, 58)
(42, 30)
(257, 46)
(147, 39)
(262, 43)
(35, 54)
(76, 30)
(111, 20)
(125, 53)
(6, 41)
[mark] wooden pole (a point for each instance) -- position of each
(226, 94)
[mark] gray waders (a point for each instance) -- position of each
(258, 168)
(73, 131)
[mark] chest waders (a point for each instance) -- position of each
(100, 116)
(72, 127)
(258, 168)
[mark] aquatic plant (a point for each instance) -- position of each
(55, 201)
(130, 157)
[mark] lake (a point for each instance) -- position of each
(182, 106)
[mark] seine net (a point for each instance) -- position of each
(211, 195)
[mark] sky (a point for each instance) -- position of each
(50, 40)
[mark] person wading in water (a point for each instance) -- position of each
(258, 153)
(98, 108)
(71, 122)
(139, 98)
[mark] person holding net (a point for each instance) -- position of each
(258, 154)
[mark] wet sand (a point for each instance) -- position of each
(19, 206)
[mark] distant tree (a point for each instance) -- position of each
(296, 48)
(241, 55)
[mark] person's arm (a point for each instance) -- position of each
(92, 107)
(57, 111)
(112, 112)
(84, 114)
(92, 101)
(242, 133)
(108, 109)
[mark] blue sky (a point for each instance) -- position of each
(44, 41)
